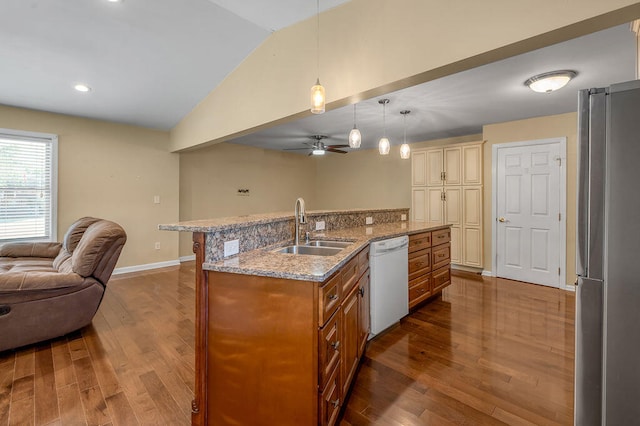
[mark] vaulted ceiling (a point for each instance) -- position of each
(149, 62)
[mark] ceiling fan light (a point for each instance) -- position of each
(384, 146)
(355, 138)
(550, 81)
(405, 151)
(317, 98)
(318, 152)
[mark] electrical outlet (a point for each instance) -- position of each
(231, 247)
(369, 231)
(157, 246)
(156, 199)
(403, 217)
(368, 220)
(320, 225)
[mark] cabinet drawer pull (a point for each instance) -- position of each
(333, 297)
(335, 345)
(336, 402)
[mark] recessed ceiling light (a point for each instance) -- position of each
(115, 1)
(82, 88)
(550, 81)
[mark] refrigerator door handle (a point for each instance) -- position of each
(582, 208)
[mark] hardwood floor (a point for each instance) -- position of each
(486, 352)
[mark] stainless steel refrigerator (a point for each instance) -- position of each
(607, 363)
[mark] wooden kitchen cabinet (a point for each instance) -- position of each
(429, 259)
(447, 188)
(280, 351)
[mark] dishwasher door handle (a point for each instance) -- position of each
(392, 249)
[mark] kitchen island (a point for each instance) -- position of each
(279, 336)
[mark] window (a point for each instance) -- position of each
(28, 186)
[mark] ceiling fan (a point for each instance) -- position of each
(319, 148)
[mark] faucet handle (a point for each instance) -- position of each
(306, 237)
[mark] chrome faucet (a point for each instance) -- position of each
(300, 217)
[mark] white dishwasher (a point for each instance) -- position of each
(388, 260)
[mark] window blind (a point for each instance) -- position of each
(27, 186)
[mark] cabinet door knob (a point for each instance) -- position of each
(361, 291)
(502, 220)
(335, 345)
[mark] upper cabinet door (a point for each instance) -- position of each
(419, 205)
(452, 166)
(418, 168)
(434, 167)
(472, 165)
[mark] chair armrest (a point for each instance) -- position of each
(47, 250)
(24, 281)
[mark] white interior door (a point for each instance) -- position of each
(528, 211)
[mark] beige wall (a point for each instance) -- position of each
(210, 178)
(365, 179)
(111, 171)
(371, 47)
(526, 130)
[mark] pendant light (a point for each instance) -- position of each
(405, 150)
(317, 91)
(354, 136)
(383, 145)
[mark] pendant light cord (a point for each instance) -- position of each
(318, 37)
(384, 119)
(354, 116)
(404, 116)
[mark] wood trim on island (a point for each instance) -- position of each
(198, 415)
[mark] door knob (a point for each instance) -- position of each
(502, 219)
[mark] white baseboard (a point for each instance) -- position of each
(486, 273)
(145, 267)
(187, 258)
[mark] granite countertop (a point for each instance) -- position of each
(266, 262)
(207, 225)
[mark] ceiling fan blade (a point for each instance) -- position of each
(336, 150)
(336, 146)
(293, 149)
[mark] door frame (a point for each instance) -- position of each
(562, 141)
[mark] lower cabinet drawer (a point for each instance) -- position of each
(331, 399)
(419, 263)
(330, 298)
(330, 341)
(441, 278)
(441, 255)
(419, 289)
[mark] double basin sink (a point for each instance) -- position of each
(316, 248)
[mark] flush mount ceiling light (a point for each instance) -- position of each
(81, 87)
(405, 150)
(383, 145)
(550, 81)
(317, 91)
(354, 136)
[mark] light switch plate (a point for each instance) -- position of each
(368, 220)
(231, 247)
(403, 217)
(156, 199)
(320, 225)
(369, 231)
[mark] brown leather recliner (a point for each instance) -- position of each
(51, 289)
